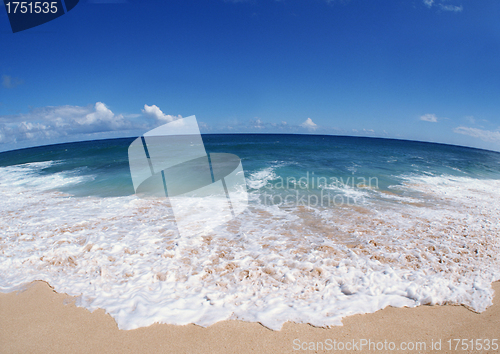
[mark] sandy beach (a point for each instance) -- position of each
(39, 320)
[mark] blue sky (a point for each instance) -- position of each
(410, 69)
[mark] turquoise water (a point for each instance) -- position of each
(345, 159)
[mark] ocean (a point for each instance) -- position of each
(335, 226)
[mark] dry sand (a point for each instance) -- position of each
(38, 320)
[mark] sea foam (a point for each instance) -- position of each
(270, 265)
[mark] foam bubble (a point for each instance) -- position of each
(260, 178)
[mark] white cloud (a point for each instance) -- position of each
(156, 113)
(485, 135)
(257, 123)
(11, 82)
(429, 118)
(309, 124)
(47, 125)
(101, 115)
(54, 124)
(444, 7)
(57, 124)
(428, 2)
(452, 8)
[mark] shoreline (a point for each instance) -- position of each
(39, 320)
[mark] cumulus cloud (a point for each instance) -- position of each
(100, 119)
(52, 124)
(429, 118)
(155, 112)
(11, 82)
(485, 135)
(309, 124)
(48, 125)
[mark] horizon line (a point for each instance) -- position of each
(261, 133)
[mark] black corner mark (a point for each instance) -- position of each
(27, 14)
(70, 4)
